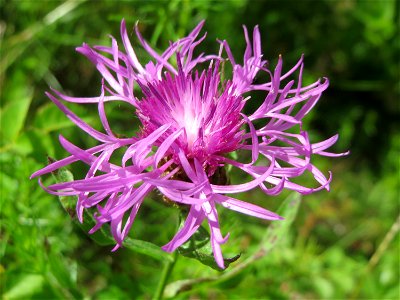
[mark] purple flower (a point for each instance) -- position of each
(192, 122)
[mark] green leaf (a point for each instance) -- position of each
(62, 276)
(103, 236)
(25, 287)
(35, 142)
(50, 118)
(13, 114)
(279, 229)
(199, 247)
(146, 248)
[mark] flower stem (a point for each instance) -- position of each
(168, 266)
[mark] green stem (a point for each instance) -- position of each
(384, 244)
(168, 266)
(376, 257)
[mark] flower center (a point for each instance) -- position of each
(209, 115)
(186, 117)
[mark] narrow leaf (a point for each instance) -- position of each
(277, 230)
(27, 286)
(13, 115)
(146, 248)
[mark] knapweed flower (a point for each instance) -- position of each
(192, 121)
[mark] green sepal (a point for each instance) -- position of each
(199, 247)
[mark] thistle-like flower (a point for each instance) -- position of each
(192, 121)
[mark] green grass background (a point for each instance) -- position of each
(344, 244)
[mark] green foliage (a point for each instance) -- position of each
(199, 247)
(103, 236)
(340, 245)
(272, 238)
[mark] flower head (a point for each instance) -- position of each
(192, 120)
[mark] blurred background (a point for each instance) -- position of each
(343, 243)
